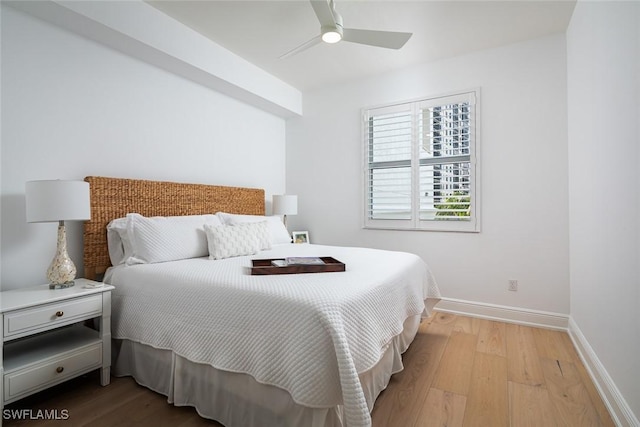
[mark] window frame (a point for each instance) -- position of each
(415, 223)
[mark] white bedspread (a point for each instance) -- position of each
(310, 334)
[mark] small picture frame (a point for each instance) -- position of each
(300, 237)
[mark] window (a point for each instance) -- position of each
(421, 170)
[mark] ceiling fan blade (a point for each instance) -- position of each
(304, 46)
(388, 39)
(323, 11)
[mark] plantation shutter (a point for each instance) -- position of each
(445, 158)
(389, 135)
(420, 165)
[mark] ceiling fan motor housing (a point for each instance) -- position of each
(333, 33)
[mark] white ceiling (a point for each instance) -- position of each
(261, 31)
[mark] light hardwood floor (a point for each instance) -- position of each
(459, 371)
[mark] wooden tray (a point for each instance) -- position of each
(264, 267)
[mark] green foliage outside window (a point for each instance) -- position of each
(455, 205)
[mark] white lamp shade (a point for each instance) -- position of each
(285, 205)
(57, 200)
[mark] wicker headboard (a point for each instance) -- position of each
(115, 197)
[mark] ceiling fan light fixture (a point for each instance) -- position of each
(331, 34)
(332, 31)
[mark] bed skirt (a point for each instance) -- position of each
(236, 399)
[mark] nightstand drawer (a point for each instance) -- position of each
(52, 371)
(50, 316)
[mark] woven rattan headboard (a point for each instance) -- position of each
(115, 197)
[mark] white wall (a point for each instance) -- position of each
(170, 45)
(524, 173)
(603, 63)
(72, 107)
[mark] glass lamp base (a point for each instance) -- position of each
(62, 285)
(62, 270)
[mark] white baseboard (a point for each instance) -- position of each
(620, 411)
(503, 313)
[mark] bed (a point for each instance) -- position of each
(275, 350)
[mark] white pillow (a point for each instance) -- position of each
(261, 231)
(226, 241)
(118, 241)
(161, 239)
(278, 231)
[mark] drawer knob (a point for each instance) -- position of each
(59, 369)
(59, 313)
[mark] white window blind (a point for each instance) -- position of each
(421, 165)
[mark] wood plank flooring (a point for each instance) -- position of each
(459, 371)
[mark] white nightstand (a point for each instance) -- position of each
(44, 339)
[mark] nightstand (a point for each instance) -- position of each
(45, 340)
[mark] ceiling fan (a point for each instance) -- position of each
(332, 31)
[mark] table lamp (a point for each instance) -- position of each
(58, 201)
(285, 205)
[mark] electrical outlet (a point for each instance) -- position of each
(513, 285)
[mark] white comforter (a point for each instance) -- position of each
(310, 334)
